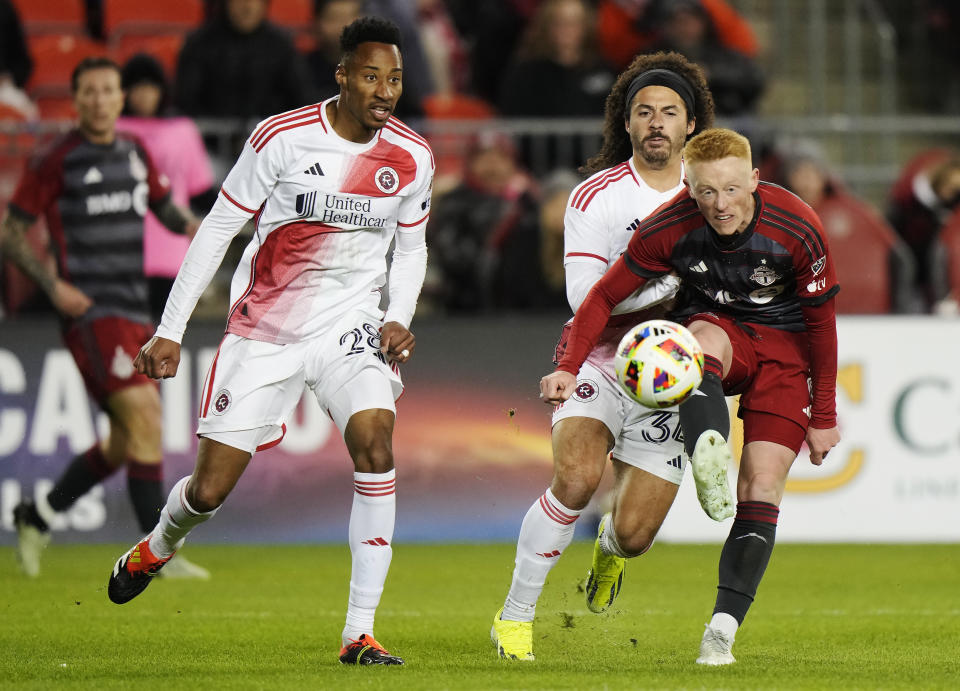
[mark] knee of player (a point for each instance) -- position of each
(376, 457)
(573, 490)
(634, 539)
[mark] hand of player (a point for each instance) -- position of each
(557, 387)
(397, 342)
(69, 300)
(820, 441)
(159, 358)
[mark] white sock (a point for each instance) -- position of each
(725, 624)
(546, 531)
(608, 540)
(177, 518)
(371, 534)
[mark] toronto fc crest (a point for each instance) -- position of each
(764, 275)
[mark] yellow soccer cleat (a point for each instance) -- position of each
(514, 639)
(606, 574)
(711, 458)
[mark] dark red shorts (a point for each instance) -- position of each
(771, 373)
(104, 350)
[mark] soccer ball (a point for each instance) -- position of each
(659, 363)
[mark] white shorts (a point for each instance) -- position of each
(253, 387)
(644, 438)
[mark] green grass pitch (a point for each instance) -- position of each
(827, 616)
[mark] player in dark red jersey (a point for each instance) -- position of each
(758, 293)
(94, 186)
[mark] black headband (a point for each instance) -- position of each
(661, 77)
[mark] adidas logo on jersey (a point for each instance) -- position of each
(92, 177)
(700, 268)
(315, 169)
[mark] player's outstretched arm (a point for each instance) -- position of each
(159, 358)
(557, 387)
(397, 342)
(67, 299)
(820, 441)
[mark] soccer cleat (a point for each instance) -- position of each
(366, 651)
(33, 536)
(180, 567)
(715, 648)
(711, 458)
(133, 572)
(605, 576)
(514, 639)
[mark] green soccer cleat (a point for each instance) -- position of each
(606, 574)
(711, 458)
(514, 639)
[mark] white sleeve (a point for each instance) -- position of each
(203, 258)
(406, 275)
(586, 259)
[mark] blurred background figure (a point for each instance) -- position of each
(557, 71)
(875, 266)
(15, 66)
(530, 273)
(735, 79)
(945, 269)
(329, 19)
(177, 150)
(921, 200)
(240, 65)
(471, 223)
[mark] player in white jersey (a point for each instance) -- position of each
(329, 187)
(655, 105)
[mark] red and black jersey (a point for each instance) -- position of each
(763, 275)
(95, 197)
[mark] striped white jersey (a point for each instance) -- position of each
(325, 212)
(602, 213)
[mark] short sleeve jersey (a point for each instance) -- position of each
(326, 210)
(778, 264)
(94, 198)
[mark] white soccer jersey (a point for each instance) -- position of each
(602, 213)
(325, 212)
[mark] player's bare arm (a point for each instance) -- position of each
(66, 298)
(397, 342)
(159, 358)
(820, 441)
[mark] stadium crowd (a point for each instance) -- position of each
(235, 61)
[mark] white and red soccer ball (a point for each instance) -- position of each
(659, 363)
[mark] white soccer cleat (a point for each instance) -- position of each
(711, 458)
(33, 536)
(182, 568)
(715, 648)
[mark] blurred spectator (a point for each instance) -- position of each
(628, 27)
(875, 267)
(177, 150)
(735, 80)
(530, 274)
(471, 223)
(15, 66)
(945, 270)
(446, 51)
(921, 200)
(240, 65)
(492, 30)
(329, 19)
(557, 71)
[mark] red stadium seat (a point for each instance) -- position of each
(56, 108)
(54, 58)
(52, 16)
(296, 15)
(164, 47)
(947, 260)
(139, 17)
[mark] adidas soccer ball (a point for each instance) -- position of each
(659, 363)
